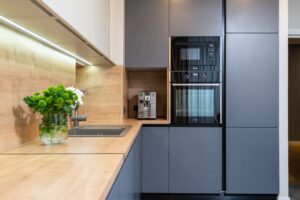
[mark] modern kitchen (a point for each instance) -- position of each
(149, 99)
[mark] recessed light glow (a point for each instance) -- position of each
(39, 38)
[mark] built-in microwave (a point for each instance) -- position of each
(196, 75)
(196, 54)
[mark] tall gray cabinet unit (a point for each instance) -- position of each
(195, 160)
(252, 108)
(146, 34)
(196, 18)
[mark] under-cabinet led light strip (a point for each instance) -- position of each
(41, 39)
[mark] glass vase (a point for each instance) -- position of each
(54, 128)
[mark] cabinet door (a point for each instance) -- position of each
(196, 18)
(155, 160)
(252, 161)
(294, 16)
(146, 34)
(128, 185)
(252, 16)
(252, 80)
(195, 160)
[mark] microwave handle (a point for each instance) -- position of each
(198, 84)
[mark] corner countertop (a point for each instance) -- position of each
(86, 145)
(70, 176)
(81, 168)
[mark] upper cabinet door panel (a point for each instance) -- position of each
(196, 17)
(146, 33)
(252, 80)
(55, 6)
(100, 33)
(79, 16)
(252, 16)
(90, 18)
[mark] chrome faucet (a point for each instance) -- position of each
(77, 118)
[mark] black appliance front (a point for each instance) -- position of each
(196, 54)
(196, 76)
(199, 104)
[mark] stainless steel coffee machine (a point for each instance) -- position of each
(147, 105)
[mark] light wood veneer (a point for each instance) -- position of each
(86, 145)
(43, 177)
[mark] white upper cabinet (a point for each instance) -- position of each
(117, 18)
(90, 18)
(55, 6)
(100, 21)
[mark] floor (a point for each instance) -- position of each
(294, 170)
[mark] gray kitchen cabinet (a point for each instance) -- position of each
(250, 16)
(252, 72)
(196, 18)
(146, 33)
(155, 160)
(252, 165)
(195, 160)
(128, 185)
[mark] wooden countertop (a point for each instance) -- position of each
(44, 177)
(86, 145)
(81, 168)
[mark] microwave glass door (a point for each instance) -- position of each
(187, 54)
(196, 104)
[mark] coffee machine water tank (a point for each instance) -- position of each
(147, 105)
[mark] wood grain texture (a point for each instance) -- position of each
(26, 66)
(150, 80)
(86, 145)
(104, 99)
(44, 177)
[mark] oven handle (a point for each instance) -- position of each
(198, 84)
(221, 103)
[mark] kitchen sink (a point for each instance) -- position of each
(99, 131)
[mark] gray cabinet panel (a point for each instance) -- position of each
(196, 18)
(146, 33)
(252, 80)
(195, 160)
(155, 159)
(252, 161)
(127, 186)
(252, 16)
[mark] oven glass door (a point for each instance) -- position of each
(197, 104)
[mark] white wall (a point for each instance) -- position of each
(283, 99)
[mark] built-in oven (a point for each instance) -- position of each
(196, 76)
(197, 103)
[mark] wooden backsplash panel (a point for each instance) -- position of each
(26, 66)
(104, 98)
(150, 80)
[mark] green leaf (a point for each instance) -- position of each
(42, 104)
